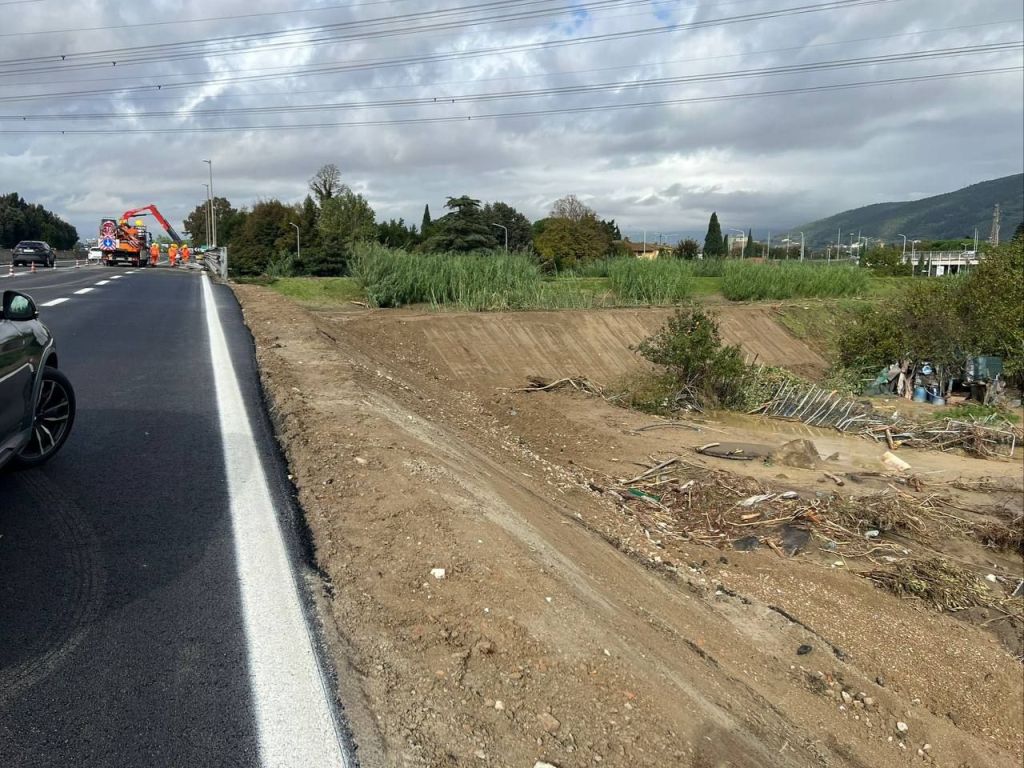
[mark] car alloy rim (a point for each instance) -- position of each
(51, 421)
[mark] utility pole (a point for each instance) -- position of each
(994, 237)
(801, 246)
(213, 212)
(904, 256)
(298, 243)
(207, 214)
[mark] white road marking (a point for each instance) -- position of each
(53, 302)
(291, 698)
(117, 277)
(103, 282)
(84, 290)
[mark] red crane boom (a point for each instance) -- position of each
(158, 216)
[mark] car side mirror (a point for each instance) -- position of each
(18, 306)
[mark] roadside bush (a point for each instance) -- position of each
(705, 372)
(659, 281)
(744, 281)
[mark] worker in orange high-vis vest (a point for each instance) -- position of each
(172, 254)
(185, 253)
(154, 254)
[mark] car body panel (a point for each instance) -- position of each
(33, 252)
(26, 347)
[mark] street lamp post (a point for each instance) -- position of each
(801, 246)
(904, 256)
(298, 243)
(506, 234)
(208, 241)
(213, 213)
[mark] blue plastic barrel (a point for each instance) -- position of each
(920, 394)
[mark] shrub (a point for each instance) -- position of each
(744, 281)
(705, 372)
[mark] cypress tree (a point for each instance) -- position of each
(748, 248)
(713, 245)
(425, 224)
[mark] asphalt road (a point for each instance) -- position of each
(127, 632)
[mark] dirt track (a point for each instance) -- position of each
(554, 635)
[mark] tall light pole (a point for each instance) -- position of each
(904, 257)
(298, 243)
(801, 246)
(213, 212)
(208, 209)
(506, 234)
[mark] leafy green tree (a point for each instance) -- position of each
(570, 235)
(725, 246)
(264, 234)
(687, 249)
(396, 234)
(463, 229)
(20, 220)
(748, 247)
(520, 233)
(991, 305)
(611, 229)
(1018, 233)
(713, 245)
(195, 222)
(345, 219)
(886, 262)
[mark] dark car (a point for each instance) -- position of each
(33, 252)
(37, 403)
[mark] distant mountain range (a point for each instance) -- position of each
(942, 217)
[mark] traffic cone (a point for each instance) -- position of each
(76, 264)
(11, 270)
(33, 267)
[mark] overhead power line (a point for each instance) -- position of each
(229, 46)
(568, 90)
(526, 113)
(405, 61)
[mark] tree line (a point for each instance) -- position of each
(333, 218)
(20, 220)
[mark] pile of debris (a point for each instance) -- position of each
(988, 437)
(674, 500)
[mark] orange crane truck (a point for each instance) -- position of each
(122, 241)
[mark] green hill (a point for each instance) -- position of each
(942, 217)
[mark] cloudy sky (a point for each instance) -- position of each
(654, 113)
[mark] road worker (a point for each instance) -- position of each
(172, 254)
(154, 253)
(185, 253)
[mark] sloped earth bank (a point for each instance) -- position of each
(553, 635)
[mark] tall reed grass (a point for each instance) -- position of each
(658, 281)
(744, 281)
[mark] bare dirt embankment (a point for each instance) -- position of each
(562, 630)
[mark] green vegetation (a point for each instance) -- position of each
(319, 292)
(947, 320)
(24, 221)
(661, 281)
(744, 281)
(979, 412)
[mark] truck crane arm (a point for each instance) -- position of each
(158, 216)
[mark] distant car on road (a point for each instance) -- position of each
(37, 402)
(95, 256)
(33, 252)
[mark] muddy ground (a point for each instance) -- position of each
(565, 628)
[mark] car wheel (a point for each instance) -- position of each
(52, 421)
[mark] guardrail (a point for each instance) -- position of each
(215, 260)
